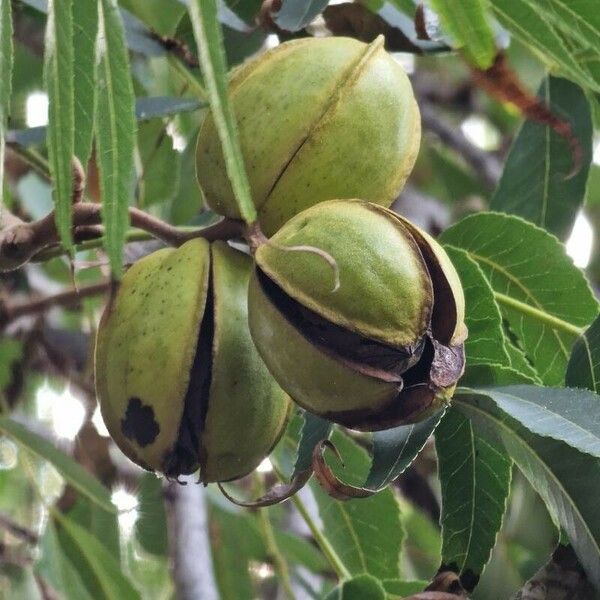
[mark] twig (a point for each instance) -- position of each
(326, 548)
(484, 164)
(189, 542)
(20, 241)
(562, 578)
(46, 590)
(178, 48)
(18, 531)
(445, 586)
(10, 312)
(273, 552)
(34, 159)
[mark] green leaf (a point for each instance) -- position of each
(18, 582)
(112, 583)
(544, 297)
(151, 526)
(139, 37)
(158, 180)
(187, 203)
(519, 362)
(530, 26)
(245, 524)
(475, 474)
(245, 9)
(104, 525)
(314, 430)
(584, 366)
(11, 351)
(421, 551)
(161, 15)
(85, 31)
(6, 67)
(579, 17)
(535, 183)
(466, 23)
(58, 75)
(562, 475)
(567, 415)
(76, 475)
(403, 588)
(362, 587)
(203, 14)
(395, 449)
(146, 108)
(485, 343)
(231, 559)
(297, 14)
(115, 131)
(57, 569)
(493, 374)
(365, 533)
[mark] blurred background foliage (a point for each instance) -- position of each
(52, 535)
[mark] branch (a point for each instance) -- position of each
(18, 531)
(190, 542)
(178, 48)
(10, 312)
(21, 241)
(484, 164)
(562, 578)
(273, 552)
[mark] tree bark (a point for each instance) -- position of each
(191, 557)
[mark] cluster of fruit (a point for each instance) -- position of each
(347, 308)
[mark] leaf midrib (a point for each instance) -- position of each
(526, 291)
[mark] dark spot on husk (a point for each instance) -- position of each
(360, 353)
(187, 455)
(139, 423)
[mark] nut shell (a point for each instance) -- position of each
(385, 300)
(178, 378)
(385, 347)
(319, 118)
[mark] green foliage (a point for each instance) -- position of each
(538, 182)
(106, 581)
(59, 76)
(545, 280)
(475, 472)
(6, 65)
(560, 473)
(296, 14)
(365, 533)
(85, 30)
(361, 587)
(115, 131)
(532, 315)
(210, 45)
(72, 472)
(584, 365)
(468, 25)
